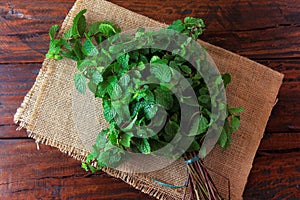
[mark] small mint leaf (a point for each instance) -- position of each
(79, 24)
(52, 31)
(80, 82)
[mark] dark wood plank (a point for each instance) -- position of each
(286, 114)
(24, 28)
(48, 173)
(15, 81)
(280, 142)
(274, 176)
(242, 27)
(26, 173)
(255, 29)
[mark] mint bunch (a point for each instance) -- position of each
(144, 91)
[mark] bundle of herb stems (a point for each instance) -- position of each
(135, 95)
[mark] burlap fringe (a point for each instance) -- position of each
(138, 184)
(81, 156)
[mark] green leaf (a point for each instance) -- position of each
(150, 111)
(53, 30)
(123, 60)
(233, 111)
(78, 51)
(194, 146)
(130, 125)
(79, 24)
(186, 69)
(161, 71)
(85, 167)
(226, 79)
(101, 139)
(97, 77)
(177, 26)
(164, 98)
(82, 64)
(94, 28)
(204, 99)
(171, 130)
(54, 47)
(113, 137)
(115, 91)
(124, 80)
(223, 139)
(103, 158)
(142, 132)
(235, 123)
(203, 124)
(143, 145)
(92, 87)
(80, 82)
(89, 49)
(125, 139)
(68, 34)
(107, 29)
(199, 126)
(108, 111)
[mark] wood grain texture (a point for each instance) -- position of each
(266, 31)
(240, 26)
(27, 173)
(274, 176)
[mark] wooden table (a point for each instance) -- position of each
(265, 31)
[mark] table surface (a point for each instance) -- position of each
(265, 31)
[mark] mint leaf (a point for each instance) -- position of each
(101, 139)
(124, 80)
(123, 60)
(194, 146)
(94, 28)
(125, 139)
(226, 79)
(164, 98)
(233, 111)
(203, 124)
(52, 31)
(143, 145)
(97, 77)
(223, 139)
(78, 51)
(150, 111)
(130, 125)
(68, 34)
(235, 123)
(113, 137)
(161, 71)
(80, 82)
(199, 126)
(92, 87)
(107, 29)
(79, 24)
(115, 91)
(108, 111)
(82, 64)
(89, 49)
(177, 26)
(171, 129)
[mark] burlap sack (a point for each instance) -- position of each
(48, 111)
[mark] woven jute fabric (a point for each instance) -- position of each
(49, 113)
